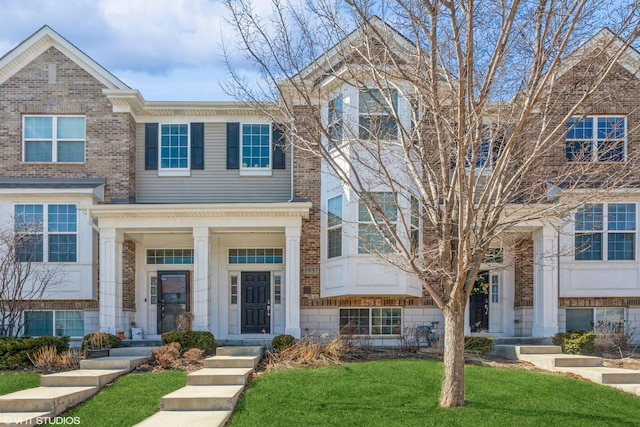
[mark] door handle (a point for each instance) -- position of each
(269, 310)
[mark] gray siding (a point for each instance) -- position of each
(214, 184)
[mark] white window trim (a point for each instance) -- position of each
(335, 227)
(174, 171)
(55, 322)
(384, 114)
(594, 139)
(249, 171)
(370, 327)
(604, 231)
(54, 139)
(46, 233)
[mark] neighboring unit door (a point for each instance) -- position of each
(255, 290)
(173, 298)
(479, 304)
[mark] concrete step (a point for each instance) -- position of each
(246, 342)
(81, 378)
(538, 349)
(628, 388)
(114, 362)
(521, 341)
(239, 351)
(219, 376)
(131, 351)
(186, 418)
(15, 419)
(202, 398)
(232, 362)
(45, 399)
(553, 361)
(142, 343)
(605, 375)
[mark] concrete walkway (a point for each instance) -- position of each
(550, 358)
(61, 391)
(211, 393)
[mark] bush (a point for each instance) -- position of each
(108, 340)
(282, 341)
(481, 346)
(14, 352)
(203, 340)
(193, 356)
(167, 355)
(581, 342)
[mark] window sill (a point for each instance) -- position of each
(255, 172)
(169, 172)
(52, 163)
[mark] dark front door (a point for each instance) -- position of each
(173, 298)
(256, 303)
(479, 304)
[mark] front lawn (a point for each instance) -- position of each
(16, 381)
(405, 393)
(129, 400)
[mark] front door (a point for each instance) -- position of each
(173, 298)
(479, 304)
(255, 289)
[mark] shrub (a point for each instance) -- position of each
(282, 341)
(14, 352)
(167, 355)
(106, 340)
(581, 342)
(481, 346)
(203, 340)
(193, 356)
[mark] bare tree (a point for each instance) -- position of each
(24, 279)
(461, 119)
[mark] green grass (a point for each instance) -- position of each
(405, 393)
(15, 381)
(129, 400)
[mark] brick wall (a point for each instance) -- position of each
(129, 275)
(110, 139)
(523, 272)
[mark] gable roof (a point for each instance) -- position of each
(39, 42)
(333, 57)
(628, 57)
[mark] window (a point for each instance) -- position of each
(54, 323)
(169, 256)
(174, 147)
(585, 319)
(256, 146)
(334, 227)
(596, 139)
(610, 225)
(335, 120)
(370, 240)
(234, 289)
(255, 256)
(378, 114)
(414, 235)
(371, 321)
(54, 139)
(46, 232)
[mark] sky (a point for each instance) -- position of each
(170, 50)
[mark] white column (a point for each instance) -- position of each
(110, 303)
(201, 290)
(545, 282)
(292, 285)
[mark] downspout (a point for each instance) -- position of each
(91, 223)
(292, 161)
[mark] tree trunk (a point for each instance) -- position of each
(452, 394)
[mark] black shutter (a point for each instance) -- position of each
(233, 145)
(197, 145)
(151, 146)
(278, 141)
